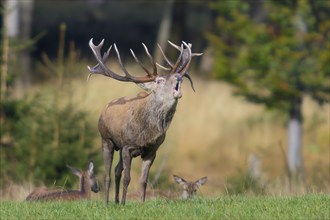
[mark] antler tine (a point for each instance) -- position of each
(151, 60)
(174, 45)
(121, 63)
(96, 49)
(196, 54)
(165, 57)
(100, 68)
(174, 68)
(186, 62)
(97, 68)
(139, 62)
(189, 44)
(187, 58)
(163, 67)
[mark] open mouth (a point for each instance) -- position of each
(177, 86)
(178, 83)
(177, 89)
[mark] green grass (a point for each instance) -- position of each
(227, 207)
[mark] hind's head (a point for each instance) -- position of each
(87, 177)
(189, 187)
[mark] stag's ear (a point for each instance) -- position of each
(179, 180)
(201, 181)
(74, 170)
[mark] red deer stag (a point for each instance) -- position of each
(189, 187)
(87, 181)
(137, 126)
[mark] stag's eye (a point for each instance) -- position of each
(161, 80)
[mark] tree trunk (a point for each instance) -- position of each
(164, 30)
(25, 22)
(294, 155)
(12, 18)
(10, 31)
(295, 165)
(179, 29)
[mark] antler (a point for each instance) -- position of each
(102, 69)
(180, 66)
(185, 58)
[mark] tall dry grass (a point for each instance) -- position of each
(213, 133)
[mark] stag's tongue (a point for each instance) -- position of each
(177, 90)
(177, 85)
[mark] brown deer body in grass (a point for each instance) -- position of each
(87, 182)
(137, 126)
(189, 187)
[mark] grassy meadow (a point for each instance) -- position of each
(227, 207)
(213, 134)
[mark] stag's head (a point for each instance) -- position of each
(166, 86)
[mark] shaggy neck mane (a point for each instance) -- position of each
(160, 113)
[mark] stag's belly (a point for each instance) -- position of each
(125, 126)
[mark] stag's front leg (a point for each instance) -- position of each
(127, 160)
(146, 164)
(108, 150)
(118, 171)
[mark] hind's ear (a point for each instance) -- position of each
(179, 180)
(90, 167)
(201, 181)
(74, 170)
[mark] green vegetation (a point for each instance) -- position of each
(41, 134)
(227, 207)
(274, 53)
(34, 146)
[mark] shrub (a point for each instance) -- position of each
(42, 140)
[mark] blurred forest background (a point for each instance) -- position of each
(257, 124)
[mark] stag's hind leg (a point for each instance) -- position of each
(108, 149)
(118, 171)
(127, 160)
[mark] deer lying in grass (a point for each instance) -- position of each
(87, 181)
(189, 187)
(137, 126)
